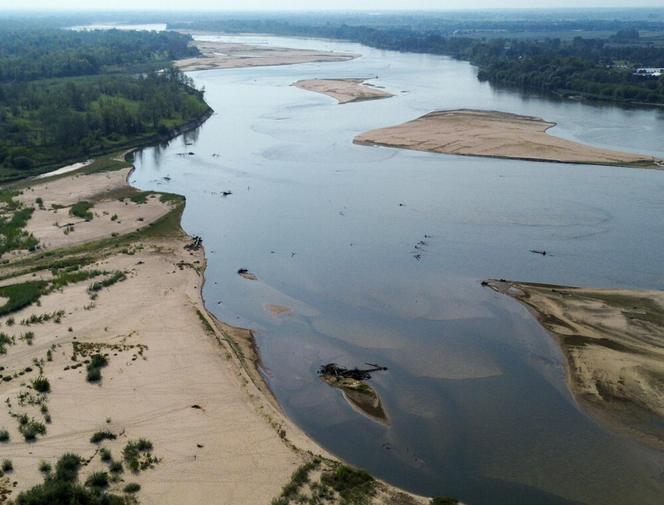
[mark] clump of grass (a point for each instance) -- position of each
(353, 485)
(82, 210)
(7, 466)
(97, 480)
(109, 281)
(115, 467)
(299, 477)
(15, 217)
(132, 488)
(105, 455)
(67, 467)
(30, 428)
(97, 362)
(4, 435)
(100, 436)
(20, 296)
(5, 340)
(45, 467)
(137, 454)
(41, 384)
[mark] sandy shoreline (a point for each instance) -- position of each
(127, 284)
(496, 135)
(343, 90)
(613, 342)
(215, 55)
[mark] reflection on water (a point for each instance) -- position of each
(476, 391)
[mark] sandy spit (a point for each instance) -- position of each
(232, 55)
(496, 135)
(175, 375)
(613, 341)
(343, 90)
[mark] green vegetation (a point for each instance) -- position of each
(4, 435)
(45, 467)
(117, 276)
(41, 384)
(443, 500)
(12, 223)
(137, 455)
(132, 488)
(67, 95)
(97, 362)
(353, 485)
(100, 436)
(30, 428)
(82, 210)
(63, 487)
(20, 295)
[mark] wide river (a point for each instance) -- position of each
(476, 393)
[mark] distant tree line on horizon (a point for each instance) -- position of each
(66, 95)
(593, 68)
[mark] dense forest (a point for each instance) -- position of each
(600, 68)
(67, 95)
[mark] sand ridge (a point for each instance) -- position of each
(344, 90)
(215, 54)
(613, 341)
(496, 135)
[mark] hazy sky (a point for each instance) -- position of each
(313, 4)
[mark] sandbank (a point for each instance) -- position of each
(496, 135)
(232, 55)
(344, 90)
(613, 342)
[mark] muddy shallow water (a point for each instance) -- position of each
(377, 254)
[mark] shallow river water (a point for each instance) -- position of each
(475, 391)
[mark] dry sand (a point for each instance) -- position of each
(344, 90)
(496, 135)
(175, 376)
(613, 340)
(232, 55)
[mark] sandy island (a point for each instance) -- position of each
(122, 287)
(495, 135)
(344, 90)
(233, 55)
(613, 340)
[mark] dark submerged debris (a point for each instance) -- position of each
(334, 370)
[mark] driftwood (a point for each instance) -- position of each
(195, 244)
(334, 370)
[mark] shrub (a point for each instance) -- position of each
(353, 485)
(101, 436)
(30, 428)
(132, 454)
(41, 384)
(7, 466)
(67, 467)
(45, 467)
(105, 454)
(97, 480)
(132, 487)
(4, 435)
(116, 467)
(82, 209)
(94, 375)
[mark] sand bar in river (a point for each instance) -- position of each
(496, 135)
(344, 90)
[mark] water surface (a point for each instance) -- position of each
(476, 391)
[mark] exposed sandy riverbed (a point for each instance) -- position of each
(175, 376)
(230, 55)
(344, 90)
(613, 340)
(496, 135)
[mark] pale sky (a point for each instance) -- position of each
(244, 5)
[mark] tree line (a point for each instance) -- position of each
(76, 94)
(594, 68)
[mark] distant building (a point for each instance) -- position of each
(649, 72)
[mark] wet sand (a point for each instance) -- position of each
(613, 341)
(496, 135)
(344, 90)
(231, 55)
(175, 375)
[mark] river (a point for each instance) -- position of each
(475, 392)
